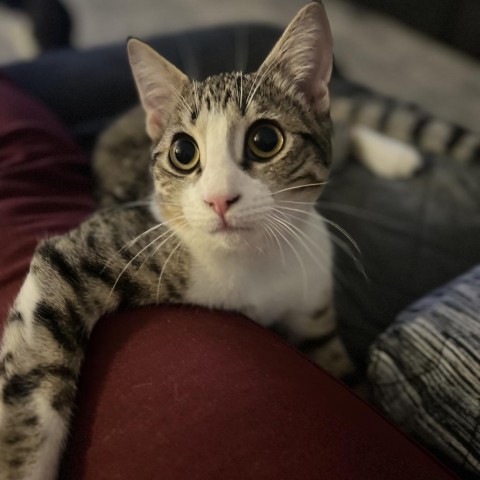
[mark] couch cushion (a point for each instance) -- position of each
(425, 370)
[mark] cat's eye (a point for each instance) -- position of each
(264, 140)
(184, 154)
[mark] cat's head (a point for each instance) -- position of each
(229, 151)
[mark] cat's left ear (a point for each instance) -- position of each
(159, 84)
(303, 57)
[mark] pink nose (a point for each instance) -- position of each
(221, 204)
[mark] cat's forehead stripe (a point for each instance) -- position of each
(218, 92)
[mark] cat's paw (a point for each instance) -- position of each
(385, 156)
(333, 358)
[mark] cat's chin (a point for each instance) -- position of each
(227, 240)
(233, 239)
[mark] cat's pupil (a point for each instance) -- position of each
(265, 139)
(185, 151)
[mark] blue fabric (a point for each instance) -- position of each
(425, 370)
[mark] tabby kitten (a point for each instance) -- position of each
(238, 161)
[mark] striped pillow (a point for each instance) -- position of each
(425, 370)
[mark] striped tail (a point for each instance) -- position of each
(405, 123)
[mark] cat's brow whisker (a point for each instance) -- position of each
(188, 57)
(239, 90)
(241, 48)
(306, 185)
(257, 83)
(165, 265)
(184, 102)
(196, 97)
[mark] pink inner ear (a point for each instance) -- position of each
(154, 125)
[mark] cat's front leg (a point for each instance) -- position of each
(73, 280)
(316, 335)
(40, 358)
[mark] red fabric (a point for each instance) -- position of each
(178, 392)
(44, 184)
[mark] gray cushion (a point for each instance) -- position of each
(425, 370)
(415, 235)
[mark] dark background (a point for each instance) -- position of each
(455, 22)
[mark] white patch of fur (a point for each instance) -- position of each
(220, 144)
(262, 286)
(384, 156)
(25, 303)
(48, 457)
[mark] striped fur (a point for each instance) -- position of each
(266, 257)
(406, 123)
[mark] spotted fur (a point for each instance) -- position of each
(268, 255)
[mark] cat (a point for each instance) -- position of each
(237, 164)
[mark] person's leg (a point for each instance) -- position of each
(44, 184)
(52, 24)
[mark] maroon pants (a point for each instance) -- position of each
(181, 392)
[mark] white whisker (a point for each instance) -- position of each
(330, 222)
(241, 90)
(150, 255)
(342, 245)
(282, 255)
(274, 225)
(299, 186)
(257, 83)
(363, 214)
(197, 99)
(138, 237)
(164, 266)
(156, 239)
(241, 49)
(298, 203)
(301, 235)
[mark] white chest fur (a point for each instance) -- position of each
(291, 282)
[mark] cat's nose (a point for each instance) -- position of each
(221, 203)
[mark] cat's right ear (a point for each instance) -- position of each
(159, 84)
(303, 58)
